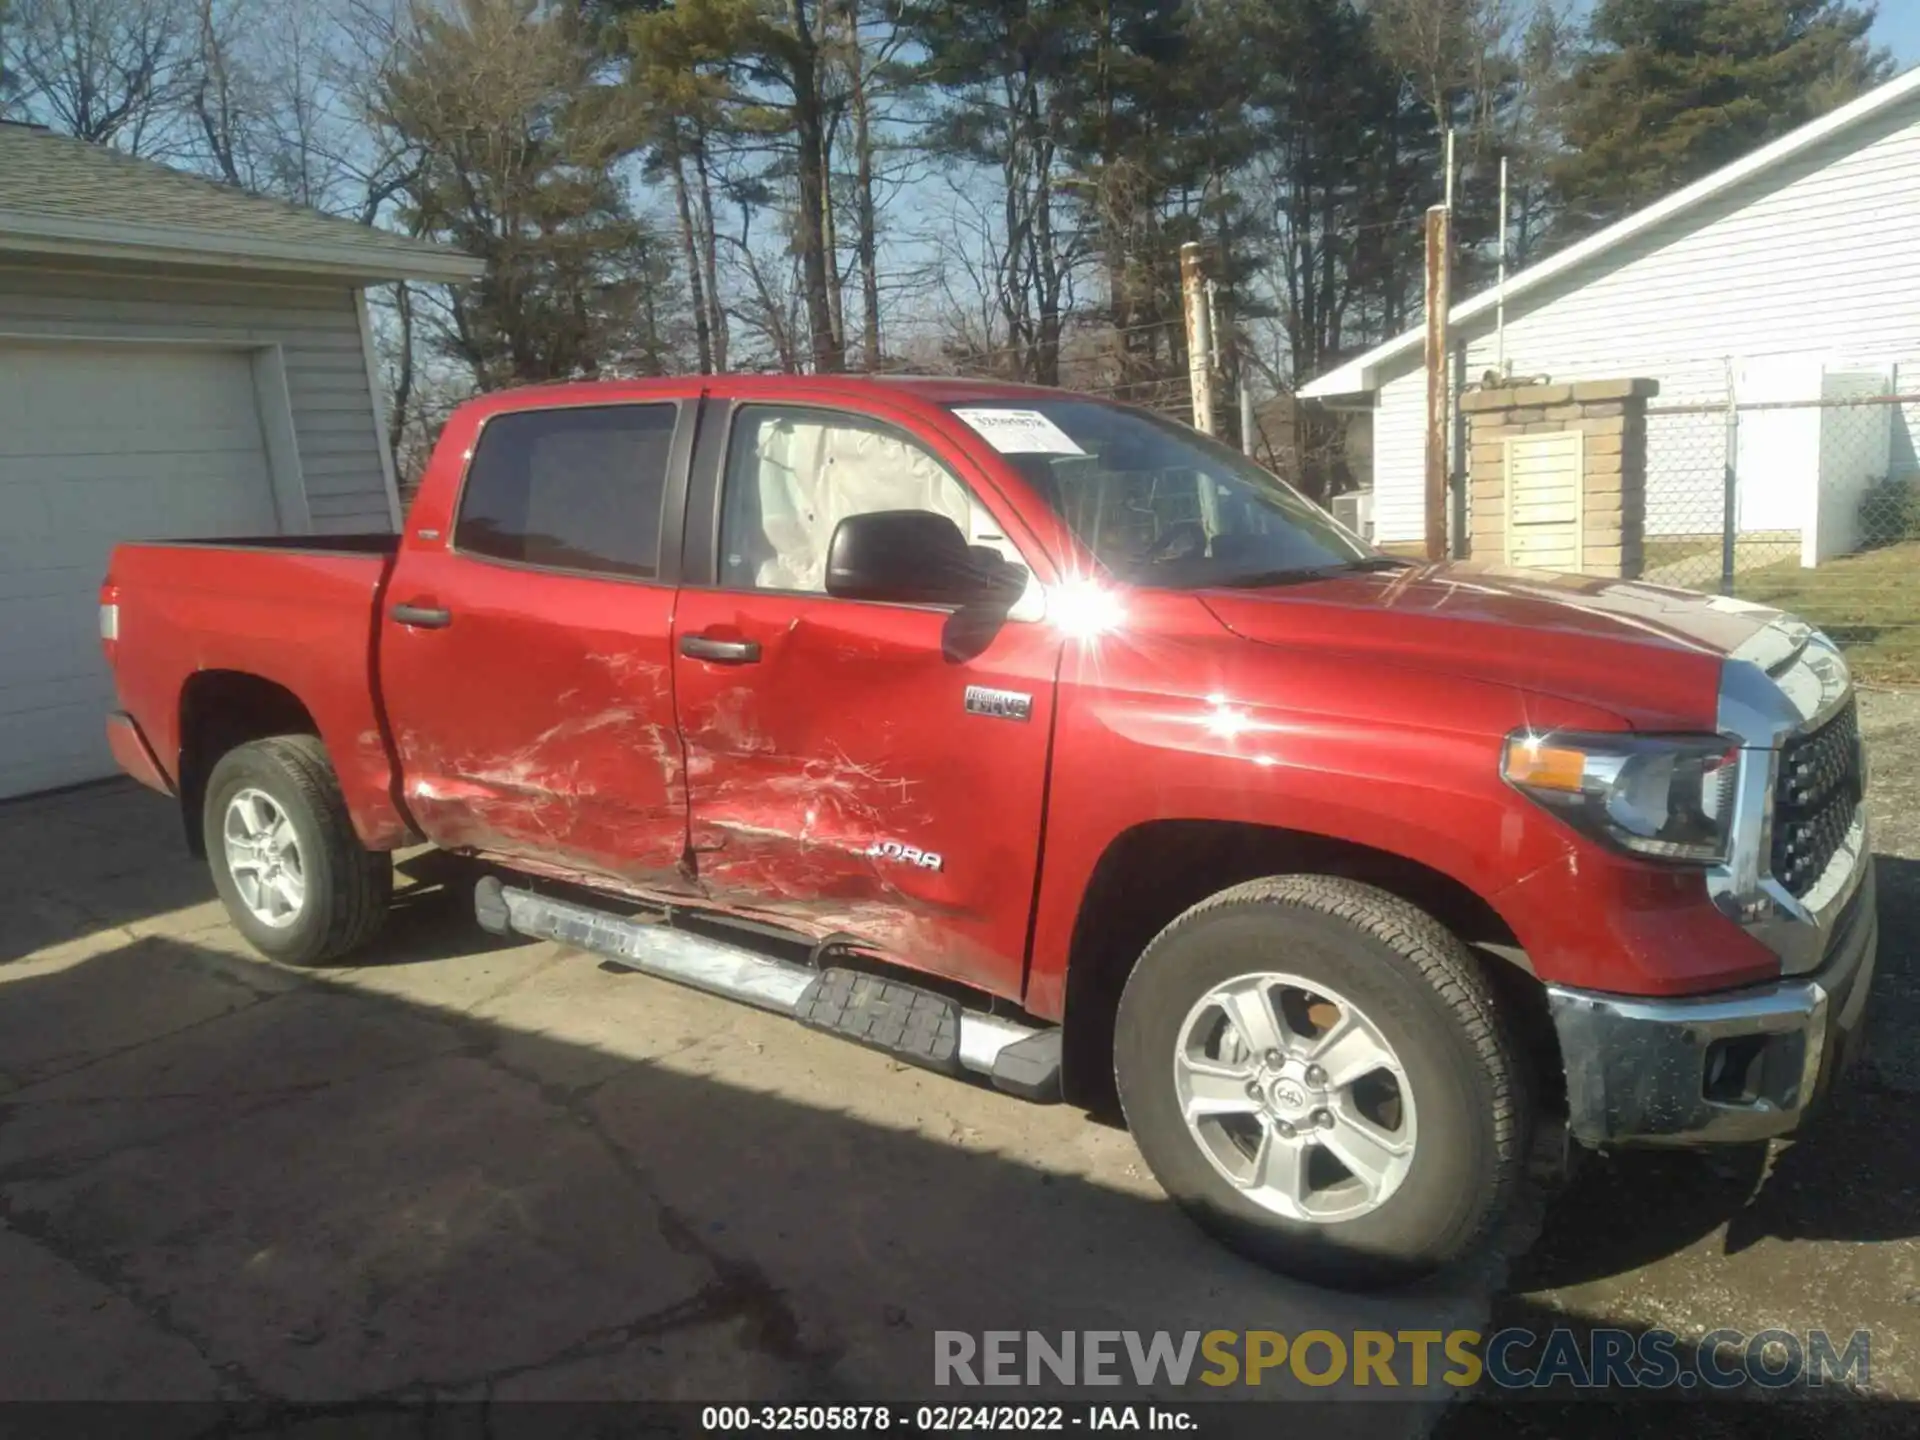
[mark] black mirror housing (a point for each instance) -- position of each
(914, 557)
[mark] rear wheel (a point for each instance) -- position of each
(1315, 1070)
(294, 877)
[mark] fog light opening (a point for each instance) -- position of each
(1733, 1070)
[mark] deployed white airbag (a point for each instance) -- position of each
(808, 476)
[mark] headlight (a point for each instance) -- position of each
(1664, 797)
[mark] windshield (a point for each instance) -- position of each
(1161, 505)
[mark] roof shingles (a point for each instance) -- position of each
(62, 195)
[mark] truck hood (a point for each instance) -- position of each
(1649, 654)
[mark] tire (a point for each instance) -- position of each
(1452, 1101)
(344, 890)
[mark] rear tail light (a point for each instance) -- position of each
(109, 617)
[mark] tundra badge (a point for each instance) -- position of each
(905, 854)
(999, 704)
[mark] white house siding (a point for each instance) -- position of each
(1820, 256)
(315, 326)
(1399, 459)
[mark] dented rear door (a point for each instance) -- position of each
(873, 770)
(525, 652)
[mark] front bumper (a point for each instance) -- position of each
(1717, 1069)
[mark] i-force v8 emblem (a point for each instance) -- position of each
(999, 704)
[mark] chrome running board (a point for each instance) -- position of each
(896, 1016)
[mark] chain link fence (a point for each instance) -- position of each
(1812, 506)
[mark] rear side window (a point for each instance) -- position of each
(573, 489)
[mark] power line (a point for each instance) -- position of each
(976, 356)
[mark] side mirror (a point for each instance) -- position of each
(915, 557)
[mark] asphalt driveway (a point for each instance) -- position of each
(469, 1169)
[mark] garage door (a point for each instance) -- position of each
(100, 444)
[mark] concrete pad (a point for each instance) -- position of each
(725, 1357)
(90, 1004)
(475, 1168)
(469, 1169)
(411, 1228)
(66, 1336)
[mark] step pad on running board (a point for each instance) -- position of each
(888, 1015)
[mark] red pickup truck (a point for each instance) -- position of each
(1038, 738)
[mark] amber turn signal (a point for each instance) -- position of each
(1546, 767)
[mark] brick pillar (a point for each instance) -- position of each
(1611, 417)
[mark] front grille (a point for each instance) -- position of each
(1814, 806)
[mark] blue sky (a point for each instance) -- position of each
(1898, 28)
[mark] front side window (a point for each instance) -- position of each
(1159, 504)
(570, 489)
(793, 474)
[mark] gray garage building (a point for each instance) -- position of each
(176, 358)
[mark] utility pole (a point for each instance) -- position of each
(1242, 391)
(1500, 298)
(1439, 363)
(1193, 290)
(1213, 325)
(1439, 238)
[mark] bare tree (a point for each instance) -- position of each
(1000, 71)
(798, 47)
(972, 328)
(1483, 69)
(213, 89)
(310, 141)
(870, 84)
(1451, 51)
(1532, 137)
(678, 65)
(772, 304)
(401, 401)
(108, 71)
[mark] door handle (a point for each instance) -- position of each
(720, 652)
(422, 617)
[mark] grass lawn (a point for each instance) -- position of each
(1686, 547)
(1869, 603)
(1694, 560)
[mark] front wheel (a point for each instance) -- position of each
(294, 877)
(1316, 1071)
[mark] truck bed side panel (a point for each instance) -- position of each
(303, 619)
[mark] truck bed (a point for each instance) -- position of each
(289, 621)
(378, 542)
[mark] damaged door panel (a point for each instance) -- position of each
(823, 778)
(838, 772)
(537, 721)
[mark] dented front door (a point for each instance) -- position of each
(874, 770)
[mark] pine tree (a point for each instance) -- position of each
(516, 147)
(1671, 90)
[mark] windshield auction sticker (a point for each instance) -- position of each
(1020, 432)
